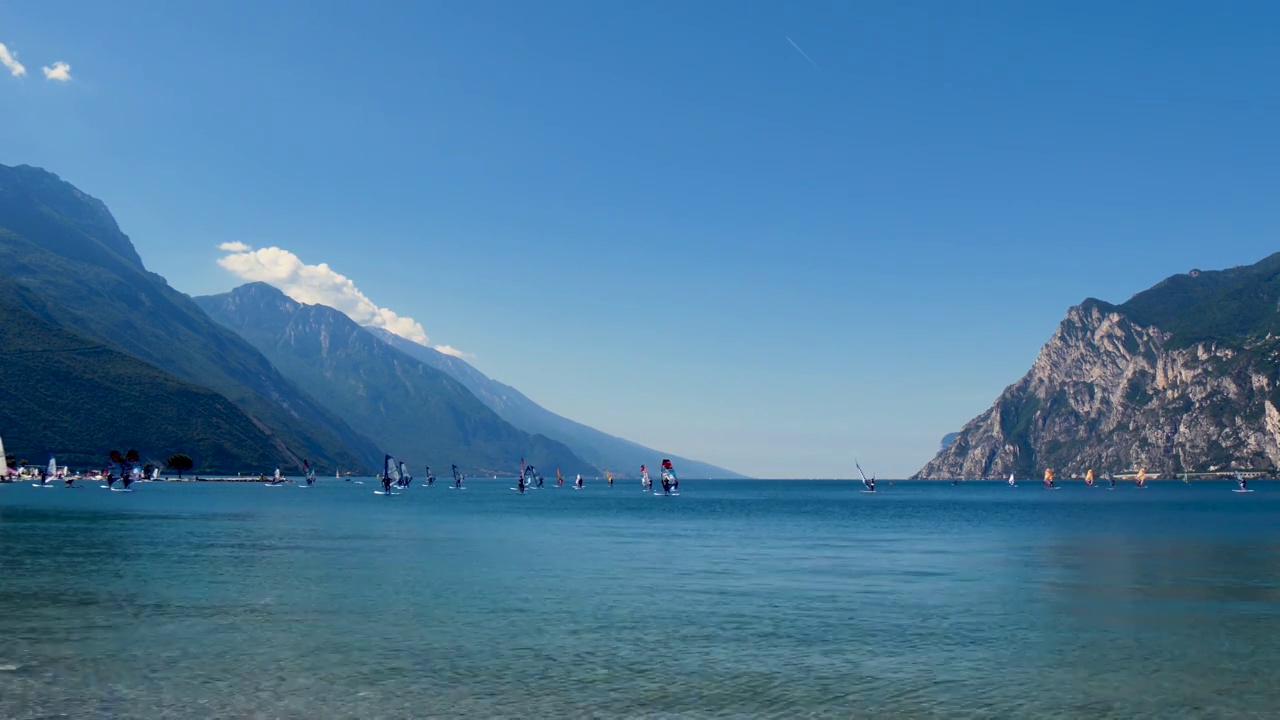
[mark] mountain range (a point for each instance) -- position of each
(419, 413)
(100, 353)
(65, 248)
(1183, 377)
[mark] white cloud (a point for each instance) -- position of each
(60, 72)
(317, 285)
(455, 352)
(10, 61)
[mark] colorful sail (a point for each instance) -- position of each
(669, 474)
(1142, 477)
(1048, 477)
(559, 477)
(1088, 478)
(645, 481)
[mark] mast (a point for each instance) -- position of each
(868, 483)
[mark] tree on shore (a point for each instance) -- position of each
(180, 463)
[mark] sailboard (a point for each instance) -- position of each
(1012, 481)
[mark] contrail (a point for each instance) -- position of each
(802, 52)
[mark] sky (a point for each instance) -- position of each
(772, 236)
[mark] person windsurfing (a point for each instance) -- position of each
(666, 485)
(578, 481)
(386, 484)
(1048, 478)
(520, 482)
(669, 474)
(1111, 482)
(868, 483)
(609, 475)
(645, 481)
(1244, 485)
(431, 479)
(457, 477)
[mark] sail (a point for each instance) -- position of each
(1012, 482)
(53, 468)
(1088, 478)
(645, 480)
(1142, 476)
(559, 477)
(4, 462)
(669, 471)
(1048, 476)
(390, 469)
(404, 473)
(457, 476)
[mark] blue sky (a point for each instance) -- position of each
(661, 219)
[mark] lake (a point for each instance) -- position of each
(736, 599)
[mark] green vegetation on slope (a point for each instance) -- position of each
(1227, 306)
(71, 396)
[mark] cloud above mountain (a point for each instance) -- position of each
(319, 285)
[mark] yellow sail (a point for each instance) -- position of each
(1088, 477)
(1142, 475)
(1048, 474)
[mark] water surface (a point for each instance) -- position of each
(736, 599)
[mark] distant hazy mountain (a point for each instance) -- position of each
(1183, 377)
(598, 448)
(64, 246)
(415, 411)
(73, 397)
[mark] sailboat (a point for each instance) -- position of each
(577, 482)
(1142, 478)
(457, 479)
(868, 484)
(646, 482)
(431, 479)
(1012, 482)
(276, 479)
(1088, 478)
(1048, 479)
(1242, 484)
(405, 477)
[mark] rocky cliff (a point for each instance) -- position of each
(1197, 393)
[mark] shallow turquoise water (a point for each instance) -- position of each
(736, 599)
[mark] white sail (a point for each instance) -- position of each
(155, 473)
(391, 469)
(53, 468)
(1011, 480)
(4, 463)
(277, 474)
